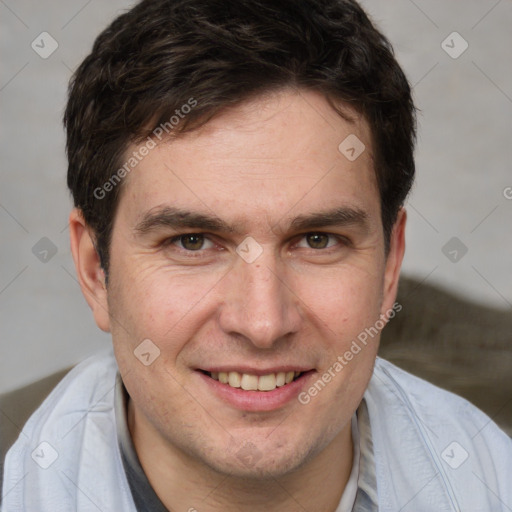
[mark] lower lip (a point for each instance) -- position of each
(257, 401)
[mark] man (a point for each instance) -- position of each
(239, 171)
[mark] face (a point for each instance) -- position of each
(250, 251)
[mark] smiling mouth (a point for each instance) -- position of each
(248, 382)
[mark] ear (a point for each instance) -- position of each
(394, 261)
(91, 276)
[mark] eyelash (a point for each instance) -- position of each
(341, 240)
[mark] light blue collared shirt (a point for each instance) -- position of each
(422, 449)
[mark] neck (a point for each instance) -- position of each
(182, 482)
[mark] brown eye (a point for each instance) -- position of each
(317, 240)
(192, 242)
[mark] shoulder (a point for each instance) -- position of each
(428, 400)
(431, 405)
(84, 385)
(73, 433)
(420, 429)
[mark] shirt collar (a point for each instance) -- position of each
(143, 494)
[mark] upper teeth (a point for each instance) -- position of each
(254, 382)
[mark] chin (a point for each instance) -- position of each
(260, 461)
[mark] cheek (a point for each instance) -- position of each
(347, 305)
(158, 303)
(345, 299)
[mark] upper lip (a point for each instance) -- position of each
(257, 371)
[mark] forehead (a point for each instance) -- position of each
(282, 154)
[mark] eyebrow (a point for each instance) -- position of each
(343, 216)
(175, 218)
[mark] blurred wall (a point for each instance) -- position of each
(460, 212)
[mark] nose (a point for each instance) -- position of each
(259, 304)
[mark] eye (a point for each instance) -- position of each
(318, 241)
(192, 242)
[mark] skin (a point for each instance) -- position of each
(256, 166)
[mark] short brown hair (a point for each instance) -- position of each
(154, 58)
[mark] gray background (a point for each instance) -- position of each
(464, 165)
